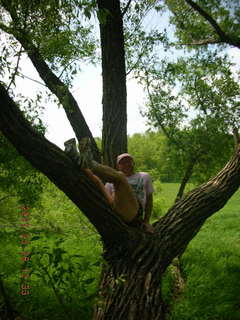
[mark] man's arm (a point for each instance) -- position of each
(148, 208)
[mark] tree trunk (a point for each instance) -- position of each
(130, 293)
(185, 179)
(114, 133)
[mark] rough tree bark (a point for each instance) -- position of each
(114, 133)
(131, 283)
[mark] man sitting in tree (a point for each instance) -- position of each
(128, 192)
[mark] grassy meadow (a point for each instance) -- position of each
(66, 262)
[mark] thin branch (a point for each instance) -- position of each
(16, 69)
(65, 68)
(6, 197)
(135, 64)
(10, 31)
(210, 19)
(24, 76)
(179, 145)
(200, 42)
(20, 74)
(199, 97)
(126, 8)
(222, 35)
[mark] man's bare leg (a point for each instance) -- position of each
(99, 184)
(124, 200)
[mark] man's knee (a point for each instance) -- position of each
(120, 177)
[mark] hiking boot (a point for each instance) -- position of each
(71, 149)
(85, 158)
(86, 153)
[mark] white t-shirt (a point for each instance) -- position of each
(140, 182)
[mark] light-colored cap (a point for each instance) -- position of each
(123, 155)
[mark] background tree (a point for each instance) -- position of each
(151, 156)
(195, 102)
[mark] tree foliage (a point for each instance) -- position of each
(206, 22)
(59, 29)
(149, 152)
(195, 102)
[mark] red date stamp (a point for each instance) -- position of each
(24, 254)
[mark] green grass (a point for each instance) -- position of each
(164, 197)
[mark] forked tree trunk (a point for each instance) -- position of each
(131, 284)
(130, 288)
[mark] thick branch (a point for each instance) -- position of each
(222, 35)
(185, 218)
(65, 97)
(52, 161)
